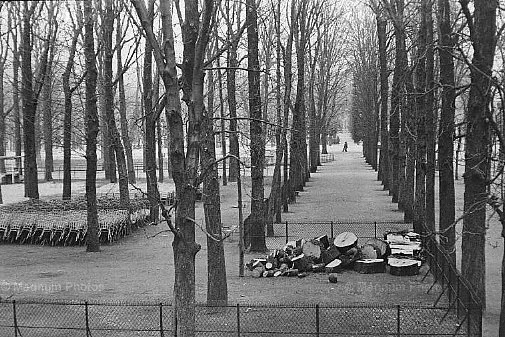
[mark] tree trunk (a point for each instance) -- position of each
(3, 116)
(125, 134)
(217, 287)
(431, 129)
(92, 127)
(408, 210)
(29, 107)
(297, 164)
(384, 88)
(287, 190)
(396, 97)
(67, 118)
(150, 128)
(18, 145)
(115, 139)
(420, 190)
(473, 244)
(447, 200)
(258, 243)
(46, 93)
(223, 125)
(232, 107)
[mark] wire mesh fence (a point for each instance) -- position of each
(157, 319)
(289, 231)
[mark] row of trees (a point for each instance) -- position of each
(433, 71)
(285, 83)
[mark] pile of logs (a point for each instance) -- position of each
(322, 254)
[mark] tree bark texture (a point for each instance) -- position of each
(447, 199)
(258, 243)
(483, 38)
(384, 94)
(420, 78)
(217, 286)
(92, 128)
(125, 134)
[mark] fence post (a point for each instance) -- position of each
(14, 314)
(457, 296)
(317, 320)
(287, 236)
(375, 229)
(88, 332)
(468, 321)
(161, 320)
(238, 319)
(398, 325)
(331, 231)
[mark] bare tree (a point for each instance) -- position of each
(92, 127)
(78, 23)
(482, 26)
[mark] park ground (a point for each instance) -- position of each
(140, 266)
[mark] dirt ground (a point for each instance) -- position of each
(140, 267)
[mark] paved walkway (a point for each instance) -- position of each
(345, 189)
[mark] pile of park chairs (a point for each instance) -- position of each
(66, 228)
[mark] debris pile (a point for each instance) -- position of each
(399, 251)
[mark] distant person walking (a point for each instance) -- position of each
(345, 147)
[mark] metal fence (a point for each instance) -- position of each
(462, 298)
(157, 319)
(288, 231)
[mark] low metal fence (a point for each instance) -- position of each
(157, 319)
(288, 231)
(462, 299)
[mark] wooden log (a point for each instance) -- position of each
(318, 268)
(334, 267)
(302, 275)
(324, 241)
(302, 263)
(345, 241)
(369, 251)
(277, 273)
(312, 249)
(370, 266)
(403, 267)
(268, 273)
(290, 272)
(349, 257)
(383, 246)
(333, 278)
(330, 254)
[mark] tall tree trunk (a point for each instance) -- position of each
(420, 190)
(258, 243)
(232, 105)
(47, 119)
(313, 122)
(223, 125)
(431, 129)
(447, 199)
(150, 127)
(384, 92)
(92, 127)
(18, 144)
(287, 190)
(396, 97)
(297, 164)
(217, 286)
(30, 99)
(3, 116)
(115, 139)
(410, 115)
(125, 134)
(473, 244)
(67, 118)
